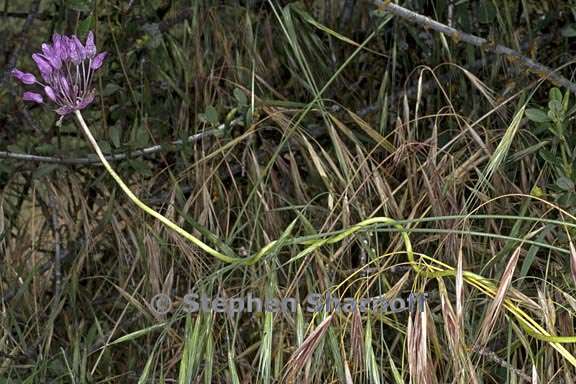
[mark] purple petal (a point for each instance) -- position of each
(52, 56)
(33, 96)
(50, 93)
(64, 110)
(86, 101)
(43, 65)
(56, 38)
(47, 49)
(61, 46)
(98, 60)
(90, 46)
(72, 50)
(78, 43)
(80, 50)
(69, 44)
(26, 78)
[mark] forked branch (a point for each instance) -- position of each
(512, 55)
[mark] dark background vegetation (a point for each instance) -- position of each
(327, 112)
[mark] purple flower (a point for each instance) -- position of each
(67, 68)
(26, 78)
(33, 96)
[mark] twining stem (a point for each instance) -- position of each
(425, 270)
(170, 224)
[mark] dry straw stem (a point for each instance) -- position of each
(512, 55)
(528, 324)
(305, 351)
(494, 310)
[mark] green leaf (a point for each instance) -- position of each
(45, 149)
(211, 115)
(140, 166)
(138, 333)
(532, 251)
(115, 133)
(567, 200)
(487, 12)
(85, 25)
(105, 146)
(240, 97)
(565, 183)
(79, 5)
(140, 137)
(555, 94)
(554, 106)
(549, 157)
(111, 89)
(537, 191)
(15, 148)
(566, 101)
(153, 34)
(44, 170)
(569, 31)
(4, 168)
(537, 115)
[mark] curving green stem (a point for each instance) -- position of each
(170, 224)
(440, 270)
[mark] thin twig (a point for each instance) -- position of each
(115, 157)
(503, 363)
(397, 10)
(512, 55)
(24, 15)
(314, 132)
(444, 78)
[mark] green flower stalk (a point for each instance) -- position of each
(67, 68)
(170, 224)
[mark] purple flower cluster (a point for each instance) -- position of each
(67, 68)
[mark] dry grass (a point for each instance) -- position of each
(332, 126)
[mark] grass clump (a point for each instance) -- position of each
(334, 148)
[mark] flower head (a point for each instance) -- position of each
(66, 67)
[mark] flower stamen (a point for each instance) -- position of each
(66, 66)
